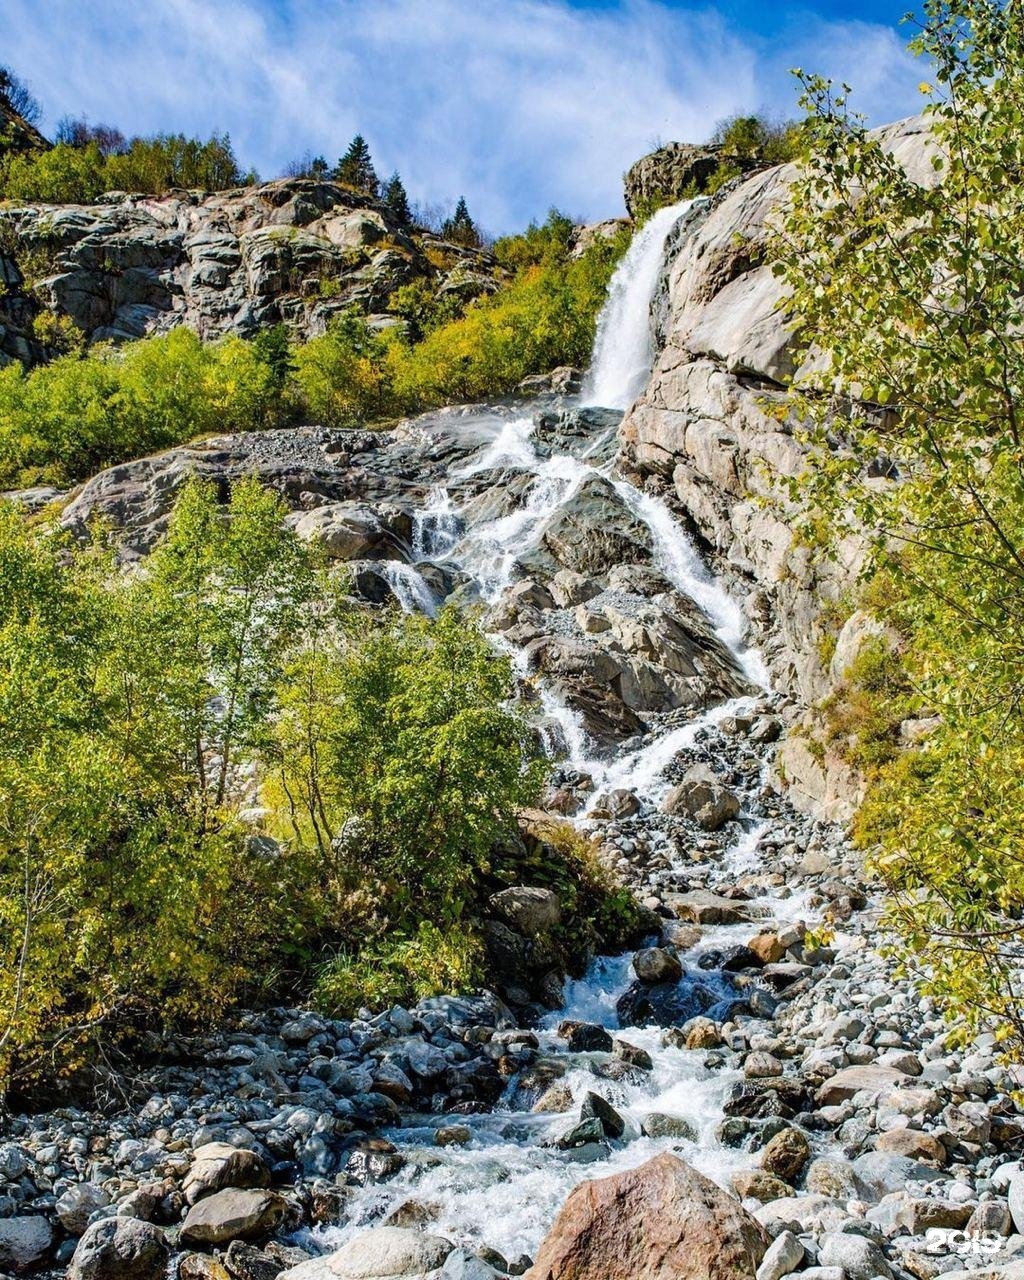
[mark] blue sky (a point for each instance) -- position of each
(518, 104)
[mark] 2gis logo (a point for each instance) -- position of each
(945, 1240)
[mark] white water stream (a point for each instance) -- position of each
(505, 1187)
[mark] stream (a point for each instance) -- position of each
(505, 1186)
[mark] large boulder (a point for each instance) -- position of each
(661, 1221)
(121, 1249)
(667, 174)
(530, 911)
(669, 1004)
(702, 796)
(232, 1214)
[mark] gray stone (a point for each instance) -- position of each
(784, 1255)
(24, 1242)
(859, 1257)
(232, 1214)
(121, 1249)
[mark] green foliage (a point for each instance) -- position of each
(343, 378)
(69, 173)
(758, 140)
(65, 420)
(355, 168)
(396, 201)
(914, 434)
(164, 703)
(543, 318)
(400, 971)
(460, 227)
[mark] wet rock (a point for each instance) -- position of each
(584, 1037)
(232, 1214)
(657, 964)
(633, 1055)
(659, 1125)
(704, 907)
(594, 1106)
(786, 1154)
(460, 1265)
(452, 1135)
(662, 1220)
(120, 1249)
(556, 1099)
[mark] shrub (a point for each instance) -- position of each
(343, 378)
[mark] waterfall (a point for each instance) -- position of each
(623, 349)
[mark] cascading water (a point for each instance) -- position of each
(506, 1185)
(623, 347)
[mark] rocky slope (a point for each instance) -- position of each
(295, 250)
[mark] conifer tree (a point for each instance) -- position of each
(460, 227)
(355, 168)
(396, 200)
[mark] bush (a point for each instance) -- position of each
(343, 379)
(63, 421)
(71, 172)
(400, 971)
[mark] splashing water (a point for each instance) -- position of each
(408, 586)
(623, 347)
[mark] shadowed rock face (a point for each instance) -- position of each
(296, 250)
(662, 1221)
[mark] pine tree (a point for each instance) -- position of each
(355, 168)
(395, 199)
(460, 227)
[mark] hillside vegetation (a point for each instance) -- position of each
(917, 289)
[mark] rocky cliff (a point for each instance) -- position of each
(295, 250)
(711, 428)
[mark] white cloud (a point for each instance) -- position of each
(517, 103)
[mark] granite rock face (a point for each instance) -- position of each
(708, 431)
(296, 250)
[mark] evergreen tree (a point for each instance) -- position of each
(355, 168)
(395, 199)
(460, 227)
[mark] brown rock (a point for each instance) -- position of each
(786, 1154)
(662, 1221)
(851, 1080)
(232, 1214)
(912, 1143)
(767, 947)
(756, 1184)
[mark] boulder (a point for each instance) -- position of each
(702, 797)
(786, 1154)
(585, 1037)
(657, 964)
(218, 1164)
(667, 1004)
(77, 1205)
(232, 1214)
(850, 1081)
(385, 1253)
(659, 1125)
(704, 907)
(121, 1249)
(24, 1242)
(346, 531)
(661, 1221)
(913, 1144)
(596, 1107)
(529, 911)
(859, 1257)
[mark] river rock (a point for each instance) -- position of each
(657, 964)
(784, 1255)
(666, 1004)
(661, 1221)
(24, 1242)
(232, 1214)
(914, 1144)
(850, 1081)
(859, 1257)
(702, 797)
(583, 1037)
(121, 1249)
(599, 1108)
(77, 1205)
(659, 1125)
(218, 1164)
(786, 1154)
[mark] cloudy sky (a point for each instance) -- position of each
(519, 104)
